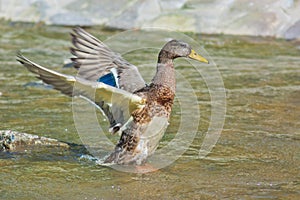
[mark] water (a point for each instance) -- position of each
(256, 157)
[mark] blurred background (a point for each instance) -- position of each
(279, 18)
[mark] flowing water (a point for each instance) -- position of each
(256, 157)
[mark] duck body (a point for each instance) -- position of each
(132, 147)
(149, 105)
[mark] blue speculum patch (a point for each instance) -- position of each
(108, 79)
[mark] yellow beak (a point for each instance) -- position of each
(195, 56)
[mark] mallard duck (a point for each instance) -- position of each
(104, 75)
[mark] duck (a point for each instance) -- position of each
(108, 80)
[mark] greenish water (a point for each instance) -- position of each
(256, 157)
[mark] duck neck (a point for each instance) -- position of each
(165, 73)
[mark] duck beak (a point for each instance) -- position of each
(195, 56)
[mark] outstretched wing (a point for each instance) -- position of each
(97, 92)
(94, 60)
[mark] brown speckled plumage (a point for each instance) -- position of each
(159, 101)
(159, 97)
(147, 103)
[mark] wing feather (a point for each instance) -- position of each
(97, 92)
(94, 59)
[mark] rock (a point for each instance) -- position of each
(172, 4)
(127, 19)
(293, 32)
(16, 141)
(279, 18)
(175, 21)
(70, 19)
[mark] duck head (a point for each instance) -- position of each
(175, 49)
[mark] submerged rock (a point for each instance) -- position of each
(16, 141)
(38, 84)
